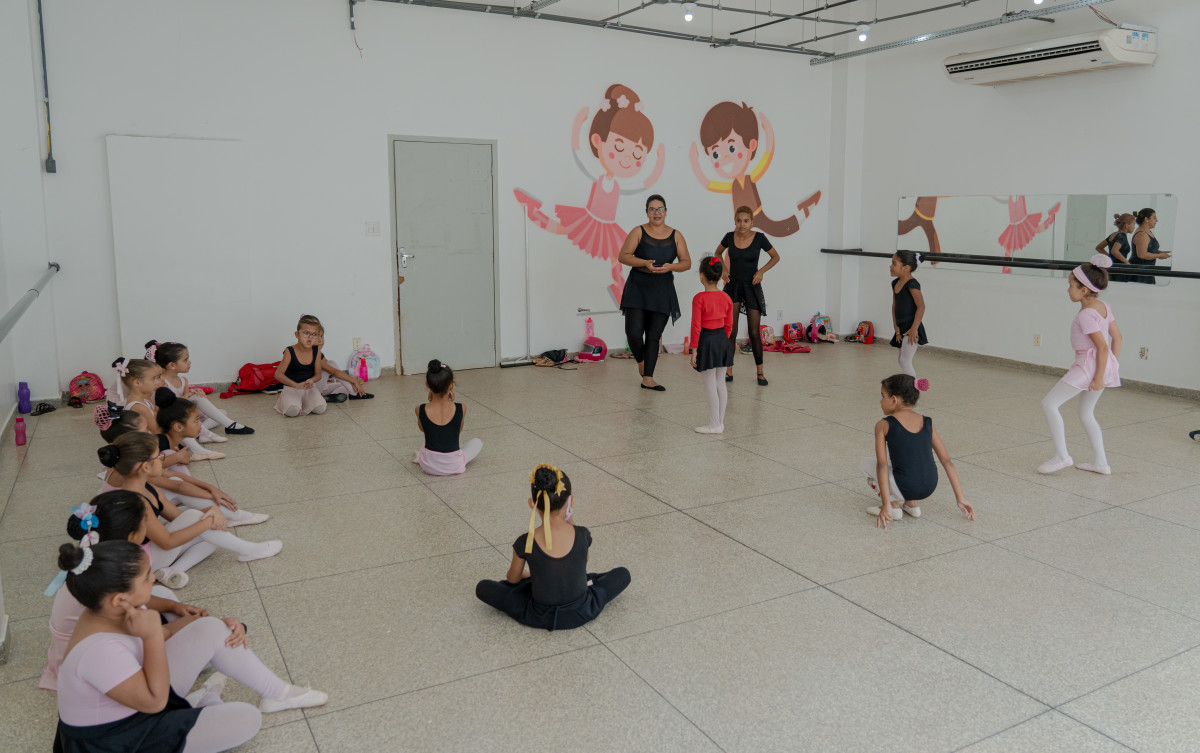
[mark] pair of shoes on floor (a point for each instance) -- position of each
(252, 520)
(718, 429)
(340, 397)
(265, 549)
(207, 436)
(236, 428)
(363, 396)
(897, 511)
(41, 409)
(1054, 465)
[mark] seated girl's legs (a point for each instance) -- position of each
(203, 642)
(868, 466)
(211, 412)
(1087, 414)
(312, 402)
(184, 556)
(331, 385)
(907, 351)
(1059, 394)
(609, 585)
(223, 726)
(510, 598)
(226, 540)
(471, 449)
(200, 503)
(294, 401)
(754, 330)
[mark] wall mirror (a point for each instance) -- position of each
(1065, 227)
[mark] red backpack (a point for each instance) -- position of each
(251, 378)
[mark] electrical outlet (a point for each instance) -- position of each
(1144, 353)
(356, 343)
(372, 229)
(779, 315)
(1037, 341)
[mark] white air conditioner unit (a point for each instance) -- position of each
(1109, 48)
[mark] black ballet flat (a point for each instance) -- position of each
(364, 396)
(762, 382)
(656, 388)
(729, 377)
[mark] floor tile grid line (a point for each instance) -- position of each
(659, 693)
(1146, 668)
(1027, 721)
(952, 455)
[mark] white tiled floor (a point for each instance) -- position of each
(766, 612)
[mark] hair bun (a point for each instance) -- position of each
(435, 366)
(69, 557)
(151, 342)
(1103, 261)
(922, 384)
(109, 455)
(544, 478)
(163, 397)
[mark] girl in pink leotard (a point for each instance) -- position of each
(620, 139)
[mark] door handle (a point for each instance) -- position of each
(404, 257)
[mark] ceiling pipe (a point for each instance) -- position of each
(802, 16)
(1007, 18)
(897, 17)
(601, 24)
(536, 6)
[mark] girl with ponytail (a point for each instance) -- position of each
(556, 592)
(441, 421)
(908, 309)
(176, 362)
(120, 686)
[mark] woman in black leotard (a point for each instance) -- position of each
(743, 281)
(1145, 246)
(653, 252)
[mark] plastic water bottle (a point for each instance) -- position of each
(23, 405)
(362, 369)
(19, 431)
(589, 328)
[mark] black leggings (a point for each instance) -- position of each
(643, 330)
(516, 600)
(753, 317)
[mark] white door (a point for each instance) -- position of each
(445, 249)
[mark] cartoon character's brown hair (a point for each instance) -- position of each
(621, 112)
(728, 117)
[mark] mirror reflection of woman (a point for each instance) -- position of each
(1145, 245)
(1117, 245)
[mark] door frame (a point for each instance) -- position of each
(391, 148)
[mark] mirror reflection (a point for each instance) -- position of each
(1137, 230)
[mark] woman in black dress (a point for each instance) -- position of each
(1116, 245)
(1145, 245)
(653, 252)
(743, 281)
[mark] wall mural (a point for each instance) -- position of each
(729, 134)
(922, 217)
(619, 142)
(1023, 225)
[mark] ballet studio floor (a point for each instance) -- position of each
(766, 613)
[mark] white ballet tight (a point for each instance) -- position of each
(907, 351)
(471, 450)
(868, 466)
(1061, 393)
(718, 396)
(200, 503)
(214, 415)
(220, 726)
(185, 556)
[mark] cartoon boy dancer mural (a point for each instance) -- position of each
(729, 134)
(619, 140)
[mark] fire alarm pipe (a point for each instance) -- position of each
(50, 166)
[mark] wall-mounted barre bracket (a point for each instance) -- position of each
(589, 312)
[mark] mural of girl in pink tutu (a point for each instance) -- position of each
(1023, 227)
(619, 143)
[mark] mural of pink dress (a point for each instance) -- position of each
(1022, 227)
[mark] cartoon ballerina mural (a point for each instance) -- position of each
(922, 217)
(1022, 226)
(619, 142)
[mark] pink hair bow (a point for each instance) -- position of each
(102, 417)
(120, 367)
(87, 518)
(151, 351)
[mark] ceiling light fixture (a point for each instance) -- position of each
(689, 11)
(862, 32)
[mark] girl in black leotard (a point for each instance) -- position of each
(910, 441)
(440, 419)
(548, 585)
(297, 372)
(740, 251)
(1117, 246)
(908, 309)
(1145, 245)
(653, 251)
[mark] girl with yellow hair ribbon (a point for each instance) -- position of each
(548, 586)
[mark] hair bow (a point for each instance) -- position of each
(87, 519)
(714, 261)
(1101, 260)
(151, 351)
(922, 385)
(120, 367)
(102, 417)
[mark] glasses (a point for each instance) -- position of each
(656, 210)
(308, 334)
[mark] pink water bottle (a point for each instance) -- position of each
(362, 369)
(589, 328)
(19, 431)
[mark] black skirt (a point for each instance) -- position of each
(713, 350)
(164, 732)
(921, 339)
(746, 295)
(651, 292)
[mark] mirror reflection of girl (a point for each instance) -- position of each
(1145, 245)
(1095, 367)
(1117, 245)
(908, 309)
(712, 322)
(743, 281)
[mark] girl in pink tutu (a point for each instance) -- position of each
(620, 140)
(1094, 369)
(1023, 226)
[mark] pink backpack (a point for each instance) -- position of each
(87, 387)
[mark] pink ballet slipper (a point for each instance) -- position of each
(532, 208)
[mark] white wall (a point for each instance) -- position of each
(28, 353)
(284, 77)
(1121, 132)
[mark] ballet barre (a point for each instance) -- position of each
(9, 320)
(1004, 261)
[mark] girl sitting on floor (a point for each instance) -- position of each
(138, 380)
(441, 421)
(556, 592)
(176, 362)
